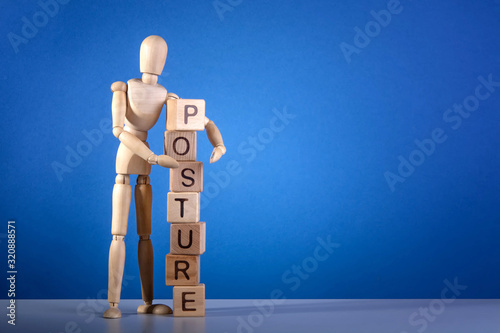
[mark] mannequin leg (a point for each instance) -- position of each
(143, 203)
(122, 193)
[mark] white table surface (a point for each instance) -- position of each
(243, 316)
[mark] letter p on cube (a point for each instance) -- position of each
(185, 115)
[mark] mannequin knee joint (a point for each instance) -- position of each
(122, 179)
(142, 180)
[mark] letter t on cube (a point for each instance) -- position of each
(183, 207)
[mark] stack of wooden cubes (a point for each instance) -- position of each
(187, 233)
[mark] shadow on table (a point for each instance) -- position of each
(319, 306)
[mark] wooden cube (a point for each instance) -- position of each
(187, 238)
(183, 207)
(182, 270)
(189, 301)
(180, 145)
(188, 177)
(185, 115)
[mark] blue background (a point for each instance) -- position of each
(322, 175)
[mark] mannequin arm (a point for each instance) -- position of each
(118, 109)
(215, 139)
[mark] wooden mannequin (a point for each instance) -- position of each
(136, 108)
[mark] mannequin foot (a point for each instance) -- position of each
(112, 313)
(159, 309)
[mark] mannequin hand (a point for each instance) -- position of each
(163, 160)
(217, 153)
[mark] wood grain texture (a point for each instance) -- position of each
(189, 301)
(185, 115)
(188, 177)
(183, 207)
(180, 145)
(187, 238)
(182, 270)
